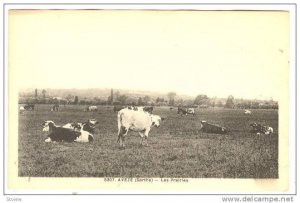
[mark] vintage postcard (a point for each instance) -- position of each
(149, 101)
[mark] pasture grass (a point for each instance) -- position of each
(177, 149)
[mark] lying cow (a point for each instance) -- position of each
(186, 111)
(212, 128)
(260, 129)
(137, 121)
(29, 107)
(60, 134)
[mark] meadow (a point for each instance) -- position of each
(176, 149)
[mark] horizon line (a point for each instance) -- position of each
(259, 97)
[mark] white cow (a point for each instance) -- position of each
(92, 108)
(22, 109)
(137, 121)
(248, 112)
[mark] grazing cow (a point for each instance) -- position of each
(60, 134)
(212, 128)
(186, 111)
(29, 107)
(55, 107)
(260, 129)
(137, 121)
(148, 109)
(91, 108)
(247, 111)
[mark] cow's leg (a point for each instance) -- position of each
(142, 137)
(120, 134)
(121, 137)
(146, 136)
(123, 141)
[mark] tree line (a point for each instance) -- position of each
(116, 98)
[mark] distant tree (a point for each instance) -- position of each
(201, 99)
(146, 99)
(212, 102)
(117, 95)
(254, 105)
(69, 98)
(44, 93)
(179, 102)
(64, 102)
(82, 102)
(55, 101)
(230, 102)
(110, 99)
(76, 100)
(122, 98)
(159, 100)
(219, 104)
(171, 96)
(140, 101)
(44, 96)
(97, 100)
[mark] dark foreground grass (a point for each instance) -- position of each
(177, 149)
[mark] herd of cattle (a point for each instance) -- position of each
(130, 118)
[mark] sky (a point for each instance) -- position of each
(218, 53)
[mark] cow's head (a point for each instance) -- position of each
(47, 125)
(203, 123)
(77, 126)
(92, 122)
(156, 120)
(48, 139)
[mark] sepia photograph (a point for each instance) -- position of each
(144, 99)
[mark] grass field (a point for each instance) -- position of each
(177, 149)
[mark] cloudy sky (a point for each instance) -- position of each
(242, 53)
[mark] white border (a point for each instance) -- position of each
(168, 7)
